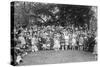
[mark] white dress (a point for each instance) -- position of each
(33, 41)
(22, 39)
(73, 42)
(66, 40)
(34, 48)
(81, 41)
(56, 43)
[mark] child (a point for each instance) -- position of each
(56, 44)
(34, 48)
(81, 43)
(73, 43)
(66, 41)
(62, 43)
(19, 59)
(22, 40)
(33, 42)
(18, 54)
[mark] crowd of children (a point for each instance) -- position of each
(35, 38)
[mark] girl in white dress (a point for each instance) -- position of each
(73, 42)
(33, 42)
(22, 40)
(56, 44)
(81, 43)
(66, 41)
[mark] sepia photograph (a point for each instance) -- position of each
(52, 33)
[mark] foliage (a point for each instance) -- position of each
(35, 13)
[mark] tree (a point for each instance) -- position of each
(43, 15)
(52, 14)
